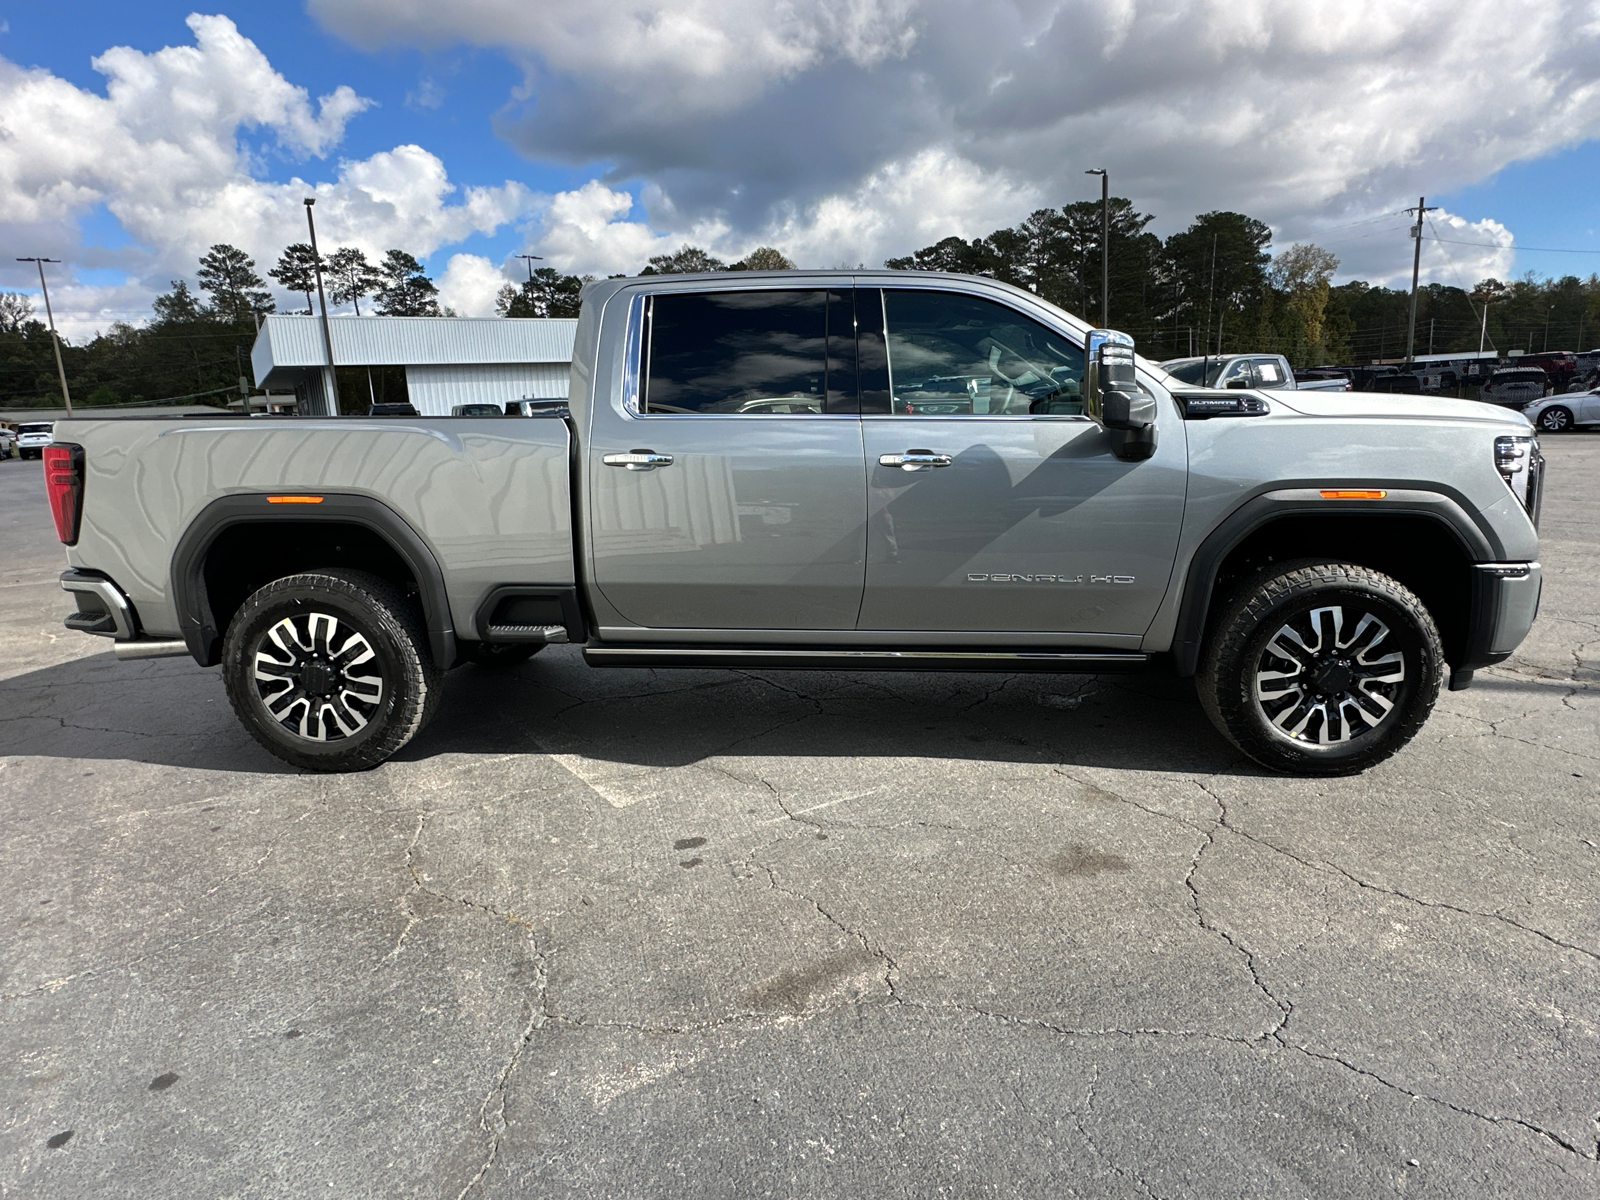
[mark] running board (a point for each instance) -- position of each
(1080, 662)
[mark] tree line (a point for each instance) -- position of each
(1214, 287)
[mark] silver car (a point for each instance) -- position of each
(1561, 414)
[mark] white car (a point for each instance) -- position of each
(1559, 414)
(8, 442)
(33, 437)
(1515, 387)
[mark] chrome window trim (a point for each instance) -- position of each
(633, 352)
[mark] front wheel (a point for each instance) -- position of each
(1321, 668)
(1555, 419)
(330, 670)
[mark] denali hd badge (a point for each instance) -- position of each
(1089, 579)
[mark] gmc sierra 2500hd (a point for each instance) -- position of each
(841, 470)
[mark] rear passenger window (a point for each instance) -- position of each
(956, 355)
(751, 353)
(1269, 373)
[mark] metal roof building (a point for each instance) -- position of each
(447, 360)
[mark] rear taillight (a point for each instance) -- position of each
(63, 482)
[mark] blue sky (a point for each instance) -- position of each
(598, 132)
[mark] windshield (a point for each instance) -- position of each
(1188, 370)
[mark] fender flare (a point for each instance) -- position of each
(195, 618)
(1194, 610)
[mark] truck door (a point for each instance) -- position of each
(730, 493)
(995, 505)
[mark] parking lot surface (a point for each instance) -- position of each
(667, 934)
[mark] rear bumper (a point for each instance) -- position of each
(1505, 601)
(104, 611)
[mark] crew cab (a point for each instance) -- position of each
(837, 470)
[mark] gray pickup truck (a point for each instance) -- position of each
(840, 470)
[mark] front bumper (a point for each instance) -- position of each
(1505, 601)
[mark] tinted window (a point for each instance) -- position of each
(1186, 372)
(751, 353)
(954, 355)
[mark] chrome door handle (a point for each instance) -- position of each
(914, 460)
(638, 460)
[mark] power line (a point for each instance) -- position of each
(1494, 246)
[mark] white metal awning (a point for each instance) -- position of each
(290, 348)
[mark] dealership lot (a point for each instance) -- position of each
(635, 933)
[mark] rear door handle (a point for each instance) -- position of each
(638, 460)
(914, 460)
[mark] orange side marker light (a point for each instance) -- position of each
(1353, 494)
(299, 499)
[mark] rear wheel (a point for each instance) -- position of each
(330, 670)
(1321, 668)
(1555, 419)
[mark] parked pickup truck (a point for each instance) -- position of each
(1267, 372)
(840, 470)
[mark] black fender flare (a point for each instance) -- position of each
(1194, 610)
(198, 624)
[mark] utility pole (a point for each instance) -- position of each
(327, 330)
(532, 258)
(1547, 313)
(1421, 210)
(51, 316)
(1105, 245)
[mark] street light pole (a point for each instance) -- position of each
(532, 258)
(327, 330)
(1105, 244)
(55, 341)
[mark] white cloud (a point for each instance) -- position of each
(163, 151)
(1307, 113)
(469, 285)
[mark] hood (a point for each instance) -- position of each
(1370, 405)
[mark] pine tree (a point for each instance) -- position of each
(763, 258)
(407, 291)
(297, 271)
(178, 307)
(237, 292)
(351, 276)
(548, 294)
(689, 260)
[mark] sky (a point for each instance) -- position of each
(596, 133)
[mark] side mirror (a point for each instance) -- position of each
(1113, 398)
(1238, 382)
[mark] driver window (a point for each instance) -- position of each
(955, 355)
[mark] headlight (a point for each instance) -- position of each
(1520, 464)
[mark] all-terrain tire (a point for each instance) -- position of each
(1300, 670)
(330, 670)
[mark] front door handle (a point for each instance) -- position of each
(914, 460)
(638, 460)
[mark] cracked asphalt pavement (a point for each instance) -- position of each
(706, 934)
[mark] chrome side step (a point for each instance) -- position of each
(1082, 662)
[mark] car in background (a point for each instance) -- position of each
(393, 410)
(1265, 372)
(1322, 379)
(535, 408)
(1562, 414)
(33, 437)
(476, 410)
(1560, 365)
(1515, 387)
(8, 443)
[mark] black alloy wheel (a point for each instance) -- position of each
(1321, 668)
(330, 670)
